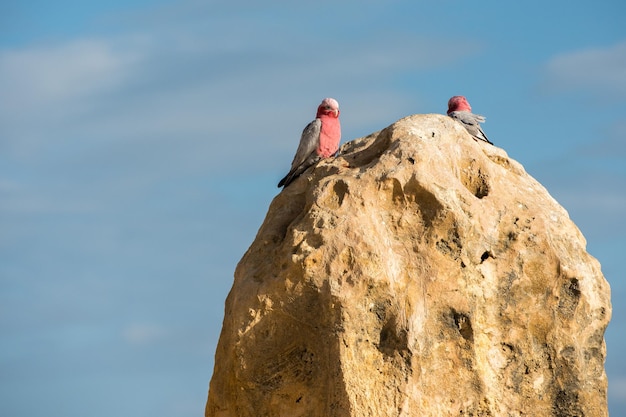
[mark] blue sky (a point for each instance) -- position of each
(141, 143)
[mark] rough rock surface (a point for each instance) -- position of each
(421, 273)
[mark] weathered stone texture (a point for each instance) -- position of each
(421, 273)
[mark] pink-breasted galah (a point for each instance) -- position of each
(319, 140)
(459, 109)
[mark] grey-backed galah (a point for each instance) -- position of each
(459, 109)
(319, 140)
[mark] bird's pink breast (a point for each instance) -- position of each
(330, 136)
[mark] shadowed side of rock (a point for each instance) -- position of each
(419, 273)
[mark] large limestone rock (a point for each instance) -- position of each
(419, 274)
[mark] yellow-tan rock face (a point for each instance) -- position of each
(420, 273)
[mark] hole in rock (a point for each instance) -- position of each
(394, 339)
(486, 255)
(475, 180)
(463, 325)
(341, 189)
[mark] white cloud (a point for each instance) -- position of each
(54, 74)
(600, 70)
(142, 333)
(193, 88)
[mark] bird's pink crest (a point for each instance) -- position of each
(328, 106)
(458, 103)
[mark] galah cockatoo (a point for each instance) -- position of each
(319, 140)
(459, 109)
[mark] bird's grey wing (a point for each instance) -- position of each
(305, 154)
(467, 118)
(480, 134)
(471, 122)
(309, 141)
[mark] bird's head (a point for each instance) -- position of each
(329, 107)
(458, 103)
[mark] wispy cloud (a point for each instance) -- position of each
(600, 70)
(177, 90)
(142, 333)
(49, 74)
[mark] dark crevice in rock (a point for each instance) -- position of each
(394, 340)
(475, 180)
(428, 204)
(569, 297)
(463, 324)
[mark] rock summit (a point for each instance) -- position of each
(419, 273)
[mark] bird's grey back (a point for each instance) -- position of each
(467, 117)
